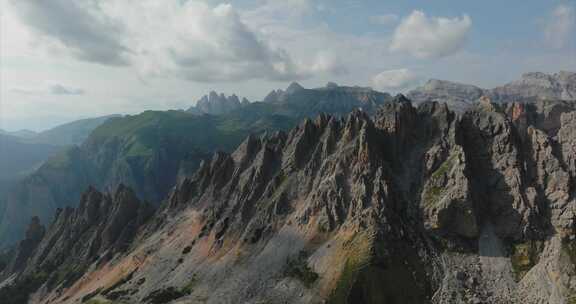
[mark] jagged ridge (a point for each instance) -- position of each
(435, 207)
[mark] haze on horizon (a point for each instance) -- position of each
(62, 60)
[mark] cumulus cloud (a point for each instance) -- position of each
(560, 28)
(430, 37)
(185, 39)
(200, 43)
(397, 80)
(79, 26)
(387, 19)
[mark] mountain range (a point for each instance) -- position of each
(150, 151)
(217, 104)
(414, 205)
(327, 195)
(530, 88)
(23, 151)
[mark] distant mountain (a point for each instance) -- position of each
(23, 151)
(298, 101)
(559, 86)
(217, 104)
(18, 157)
(150, 151)
(72, 133)
(457, 95)
(530, 88)
(25, 134)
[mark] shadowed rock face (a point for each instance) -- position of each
(25, 249)
(413, 205)
(99, 228)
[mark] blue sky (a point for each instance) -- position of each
(66, 59)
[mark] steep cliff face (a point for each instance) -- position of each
(414, 205)
(55, 184)
(76, 242)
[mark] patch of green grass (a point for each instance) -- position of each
(359, 255)
(66, 275)
(524, 256)
(98, 301)
(445, 167)
(189, 288)
(345, 282)
(20, 291)
(298, 268)
(103, 301)
(432, 191)
(121, 282)
(63, 159)
(569, 248)
(164, 295)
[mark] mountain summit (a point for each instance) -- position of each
(293, 88)
(217, 104)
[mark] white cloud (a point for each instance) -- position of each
(184, 39)
(200, 43)
(395, 80)
(425, 37)
(387, 19)
(560, 28)
(78, 26)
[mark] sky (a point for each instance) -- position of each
(62, 60)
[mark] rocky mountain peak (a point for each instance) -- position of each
(536, 85)
(457, 95)
(25, 249)
(535, 76)
(273, 96)
(293, 88)
(100, 227)
(217, 104)
(331, 85)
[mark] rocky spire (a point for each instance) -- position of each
(217, 104)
